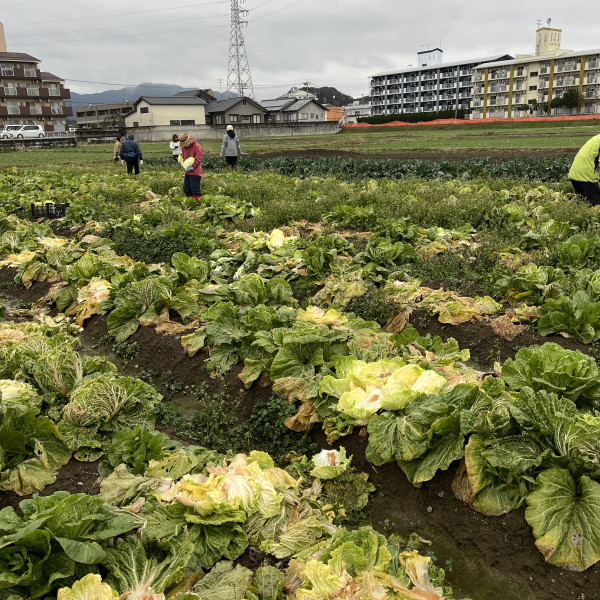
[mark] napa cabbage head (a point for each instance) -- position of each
(317, 316)
(18, 394)
(330, 463)
(360, 404)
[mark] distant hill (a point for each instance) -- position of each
(133, 93)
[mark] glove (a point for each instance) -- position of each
(141, 162)
(122, 162)
(221, 154)
(190, 169)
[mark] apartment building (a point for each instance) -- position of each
(103, 115)
(431, 86)
(29, 96)
(528, 83)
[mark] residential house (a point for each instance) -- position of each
(298, 93)
(241, 110)
(432, 86)
(335, 113)
(29, 96)
(103, 115)
(207, 94)
(286, 110)
(172, 111)
(514, 88)
(356, 110)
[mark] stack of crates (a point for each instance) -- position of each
(50, 210)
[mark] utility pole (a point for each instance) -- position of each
(238, 72)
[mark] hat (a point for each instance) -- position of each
(185, 140)
(229, 127)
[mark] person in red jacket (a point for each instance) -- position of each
(190, 148)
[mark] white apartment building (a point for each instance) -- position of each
(506, 88)
(432, 86)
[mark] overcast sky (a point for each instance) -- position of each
(326, 42)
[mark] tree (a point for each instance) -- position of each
(572, 99)
(534, 106)
(557, 102)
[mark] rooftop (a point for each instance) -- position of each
(45, 76)
(18, 56)
(468, 61)
(183, 100)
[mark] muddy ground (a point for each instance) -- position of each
(487, 558)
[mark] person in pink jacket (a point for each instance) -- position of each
(190, 148)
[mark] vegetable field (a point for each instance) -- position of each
(329, 378)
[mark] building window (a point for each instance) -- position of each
(234, 118)
(533, 74)
(144, 110)
(188, 122)
(175, 123)
(136, 124)
(532, 88)
(303, 116)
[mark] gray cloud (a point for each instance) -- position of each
(327, 42)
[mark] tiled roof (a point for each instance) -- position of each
(225, 105)
(18, 56)
(45, 76)
(166, 100)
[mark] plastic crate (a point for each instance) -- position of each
(53, 211)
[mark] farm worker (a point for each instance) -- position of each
(117, 148)
(231, 147)
(131, 153)
(191, 160)
(584, 173)
(175, 149)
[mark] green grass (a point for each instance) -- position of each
(430, 141)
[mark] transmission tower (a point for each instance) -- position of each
(238, 72)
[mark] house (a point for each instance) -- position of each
(206, 95)
(358, 109)
(528, 84)
(335, 113)
(286, 110)
(298, 94)
(103, 115)
(235, 110)
(29, 96)
(167, 110)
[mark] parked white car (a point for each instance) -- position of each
(28, 131)
(7, 130)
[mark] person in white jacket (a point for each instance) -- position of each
(175, 149)
(231, 147)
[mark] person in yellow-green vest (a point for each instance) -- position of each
(584, 172)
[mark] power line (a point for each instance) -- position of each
(116, 37)
(137, 12)
(161, 23)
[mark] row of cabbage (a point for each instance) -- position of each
(169, 518)
(433, 411)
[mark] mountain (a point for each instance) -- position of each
(133, 93)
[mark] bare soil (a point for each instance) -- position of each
(486, 558)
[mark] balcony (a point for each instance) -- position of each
(478, 77)
(592, 64)
(13, 110)
(449, 85)
(33, 92)
(498, 88)
(32, 73)
(10, 91)
(7, 72)
(591, 80)
(543, 70)
(35, 110)
(65, 93)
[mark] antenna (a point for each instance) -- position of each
(238, 72)
(539, 23)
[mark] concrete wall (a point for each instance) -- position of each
(206, 132)
(38, 143)
(162, 115)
